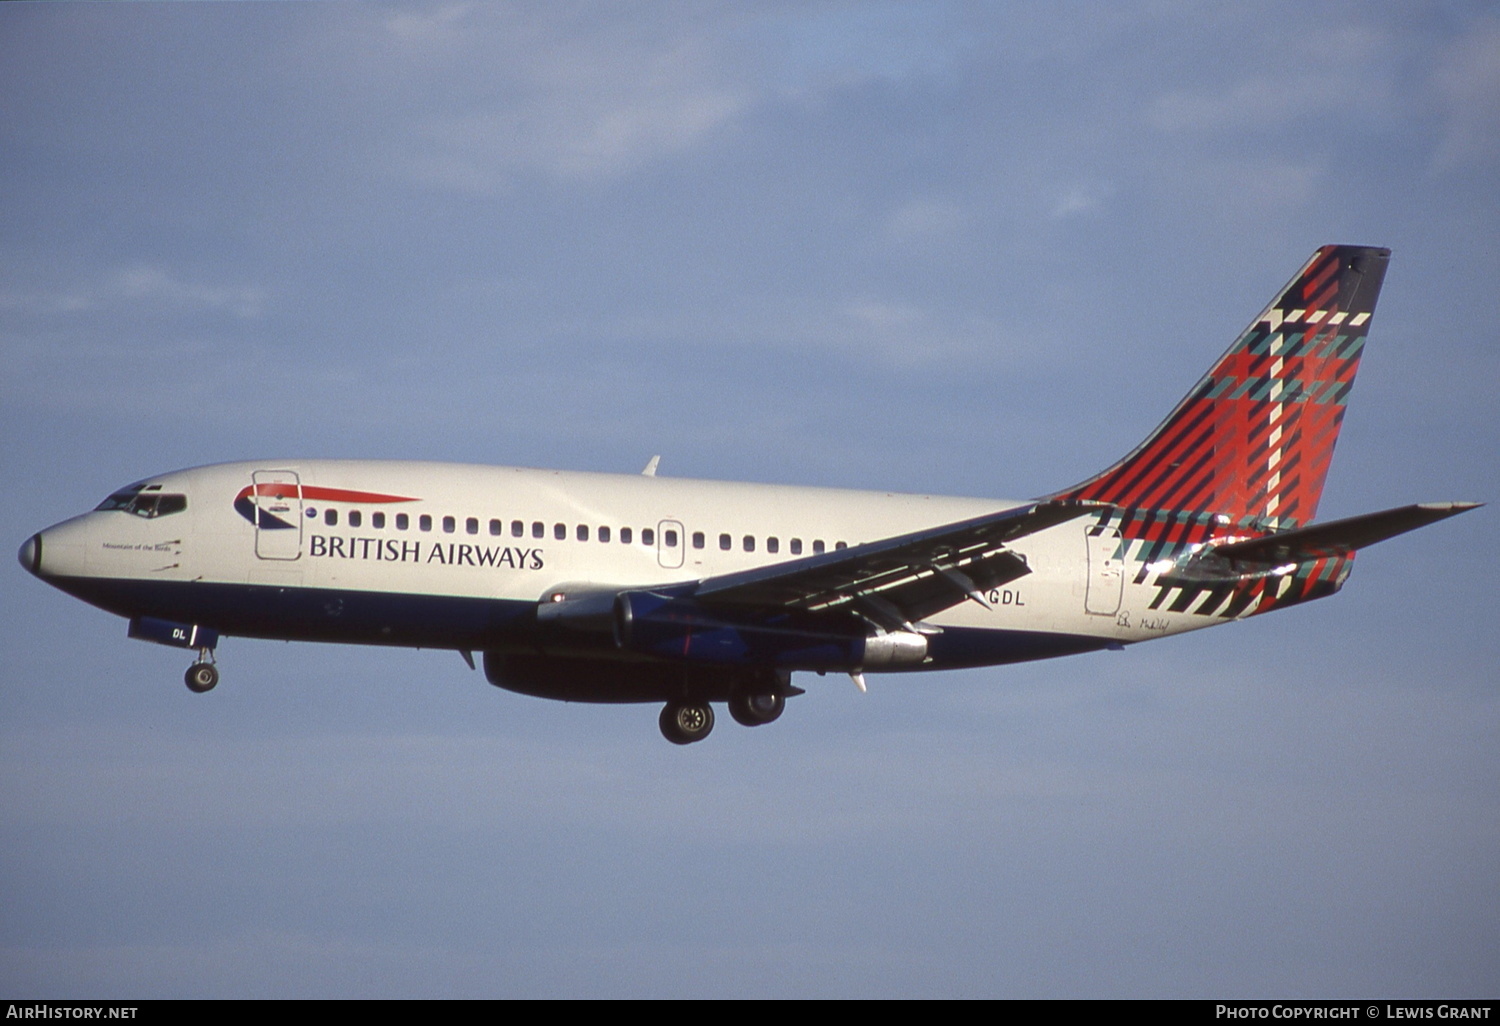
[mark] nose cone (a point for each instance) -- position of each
(31, 554)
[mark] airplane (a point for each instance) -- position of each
(593, 587)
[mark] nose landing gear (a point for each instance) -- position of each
(203, 674)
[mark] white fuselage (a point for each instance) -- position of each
(513, 534)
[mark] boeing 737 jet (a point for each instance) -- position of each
(642, 588)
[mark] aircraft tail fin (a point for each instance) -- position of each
(1253, 439)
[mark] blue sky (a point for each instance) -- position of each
(949, 248)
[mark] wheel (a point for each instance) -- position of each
(753, 708)
(682, 723)
(202, 677)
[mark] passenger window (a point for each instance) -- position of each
(796, 546)
(583, 532)
(648, 536)
(840, 545)
(538, 529)
(773, 544)
(697, 539)
(448, 525)
(402, 521)
(331, 517)
(355, 518)
(560, 532)
(517, 529)
(749, 543)
(604, 534)
(496, 528)
(424, 522)
(818, 547)
(471, 525)
(670, 538)
(377, 521)
(726, 542)
(625, 536)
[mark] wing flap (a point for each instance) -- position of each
(924, 594)
(906, 577)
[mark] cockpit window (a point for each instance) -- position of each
(169, 504)
(144, 504)
(119, 500)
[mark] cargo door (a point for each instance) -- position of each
(1106, 580)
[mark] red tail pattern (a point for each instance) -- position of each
(1253, 440)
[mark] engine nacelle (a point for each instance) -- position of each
(661, 625)
(627, 680)
(578, 607)
(667, 627)
(898, 648)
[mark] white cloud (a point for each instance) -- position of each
(140, 283)
(560, 95)
(903, 335)
(924, 218)
(143, 281)
(1269, 184)
(1083, 199)
(45, 302)
(572, 132)
(885, 318)
(1254, 103)
(1336, 73)
(439, 24)
(1468, 87)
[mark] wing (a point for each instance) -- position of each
(898, 582)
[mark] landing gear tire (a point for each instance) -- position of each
(683, 723)
(755, 708)
(201, 677)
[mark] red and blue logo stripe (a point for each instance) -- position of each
(276, 497)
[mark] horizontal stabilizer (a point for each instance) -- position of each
(1338, 537)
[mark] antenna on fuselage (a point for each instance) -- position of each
(650, 470)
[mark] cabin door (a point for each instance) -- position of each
(277, 501)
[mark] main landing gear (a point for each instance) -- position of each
(684, 722)
(755, 708)
(202, 675)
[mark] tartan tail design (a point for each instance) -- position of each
(1251, 594)
(1153, 540)
(1253, 440)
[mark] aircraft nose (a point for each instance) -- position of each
(31, 554)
